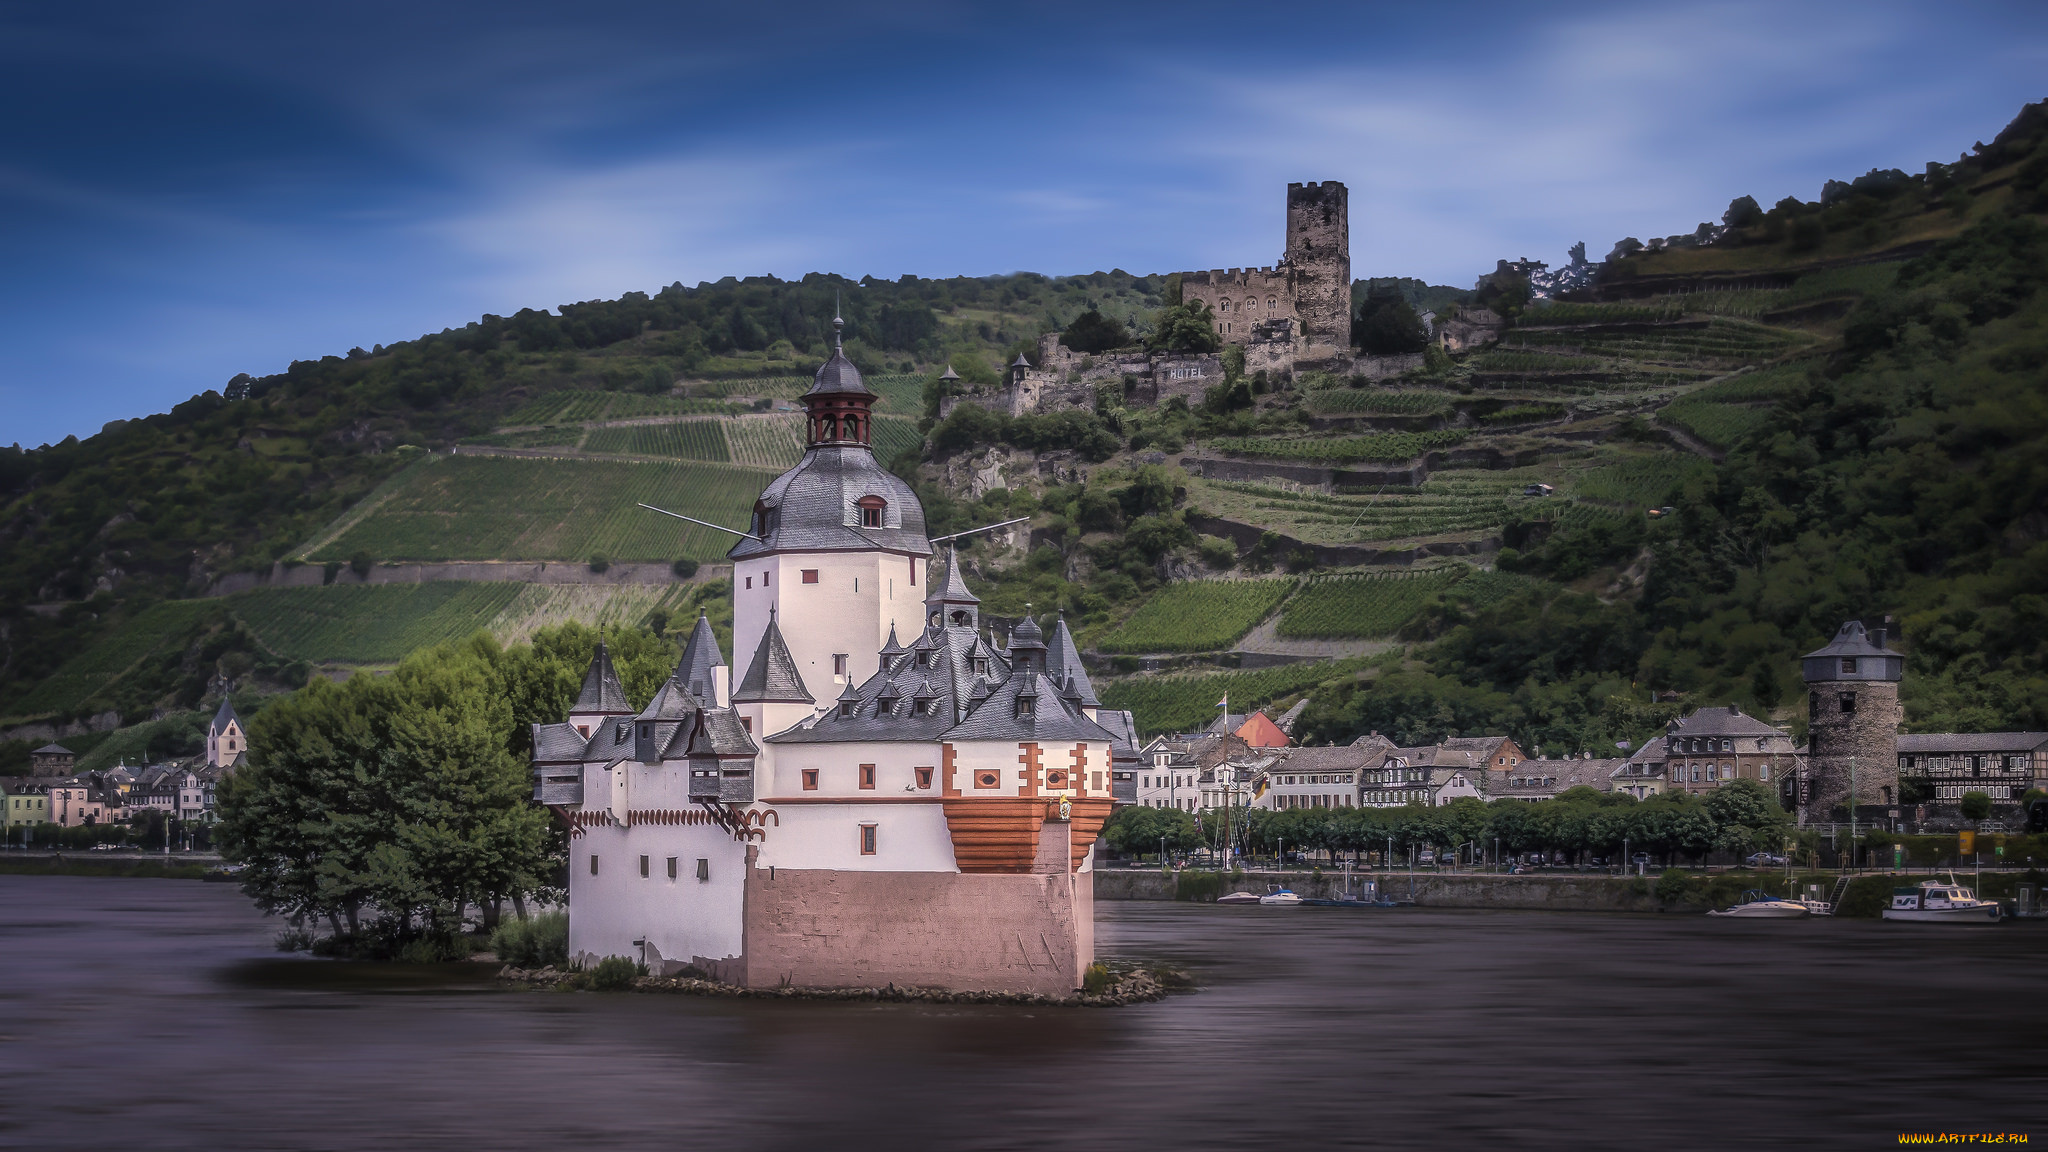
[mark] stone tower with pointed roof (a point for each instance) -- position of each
(225, 741)
(837, 551)
(1853, 717)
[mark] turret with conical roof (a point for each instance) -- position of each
(697, 670)
(602, 694)
(839, 403)
(772, 676)
(1063, 664)
(949, 603)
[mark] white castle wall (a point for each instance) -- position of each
(849, 610)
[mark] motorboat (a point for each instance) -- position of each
(1941, 900)
(1284, 898)
(1238, 898)
(1760, 905)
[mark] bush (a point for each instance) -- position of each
(1096, 979)
(434, 948)
(614, 974)
(599, 562)
(1673, 885)
(535, 942)
(684, 569)
(360, 564)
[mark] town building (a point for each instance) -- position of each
(1714, 746)
(1546, 779)
(51, 760)
(886, 796)
(24, 801)
(1430, 775)
(1642, 774)
(176, 790)
(1939, 768)
(1321, 777)
(85, 799)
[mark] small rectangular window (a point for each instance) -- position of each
(867, 839)
(1848, 703)
(703, 868)
(764, 579)
(810, 575)
(593, 863)
(810, 779)
(913, 572)
(671, 867)
(1848, 665)
(924, 777)
(750, 581)
(839, 663)
(643, 867)
(747, 722)
(867, 776)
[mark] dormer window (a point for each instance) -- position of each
(981, 665)
(846, 707)
(1026, 705)
(871, 511)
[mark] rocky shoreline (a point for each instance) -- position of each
(1125, 985)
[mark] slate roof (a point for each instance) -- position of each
(601, 689)
(719, 732)
(557, 742)
(772, 676)
(1935, 743)
(1329, 758)
(700, 656)
(1123, 727)
(812, 507)
(1724, 721)
(1051, 718)
(671, 701)
(1063, 662)
(837, 376)
(53, 750)
(221, 718)
(951, 589)
(1851, 640)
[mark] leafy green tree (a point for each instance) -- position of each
(1386, 325)
(1093, 332)
(1743, 212)
(1976, 806)
(1186, 328)
(1745, 804)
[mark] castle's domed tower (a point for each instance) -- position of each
(1852, 725)
(837, 549)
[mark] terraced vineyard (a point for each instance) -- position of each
(1362, 607)
(687, 440)
(367, 623)
(1642, 481)
(1188, 703)
(155, 633)
(766, 441)
(1197, 616)
(506, 508)
(1767, 384)
(1718, 425)
(1374, 402)
(558, 436)
(1386, 446)
(895, 435)
(1720, 342)
(576, 407)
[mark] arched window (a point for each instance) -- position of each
(870, 507)
(1272, 301)
(1223, 305)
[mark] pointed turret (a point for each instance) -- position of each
(1027, 647)
(772, 676)
(892, 649)
(700, 656)
(1063, 664)
(950, 603)
(224, 717)
(602, 694)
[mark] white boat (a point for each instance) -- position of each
(1283, 898)
(1238, 898)
(1941, 900)
(1764, 906)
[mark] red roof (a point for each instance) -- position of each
(1260, 732)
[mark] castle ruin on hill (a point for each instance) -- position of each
(1289, 317)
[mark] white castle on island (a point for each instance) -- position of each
(856, 811)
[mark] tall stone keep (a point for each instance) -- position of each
(1319, 255)
(1853, 719)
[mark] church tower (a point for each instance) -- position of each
(836, 552)
(1852, 726)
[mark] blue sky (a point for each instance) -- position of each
(188, 191)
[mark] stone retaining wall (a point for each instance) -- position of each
(514, 571)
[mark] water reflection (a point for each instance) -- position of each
(154, 1013)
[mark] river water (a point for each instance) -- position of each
(154, 1014)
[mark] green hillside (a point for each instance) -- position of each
(1840, 403)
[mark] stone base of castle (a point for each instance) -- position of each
(1032, 932)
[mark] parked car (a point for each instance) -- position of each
(1538, 490)
(1640, 858)
(1425, 857)
(1763, 859)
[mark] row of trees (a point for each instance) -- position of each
(1737, 818)
(388, 806)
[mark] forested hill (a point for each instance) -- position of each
(1843, 401)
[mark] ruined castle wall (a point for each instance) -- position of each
(1319, 256)
(1242, 298)
(983, 932)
